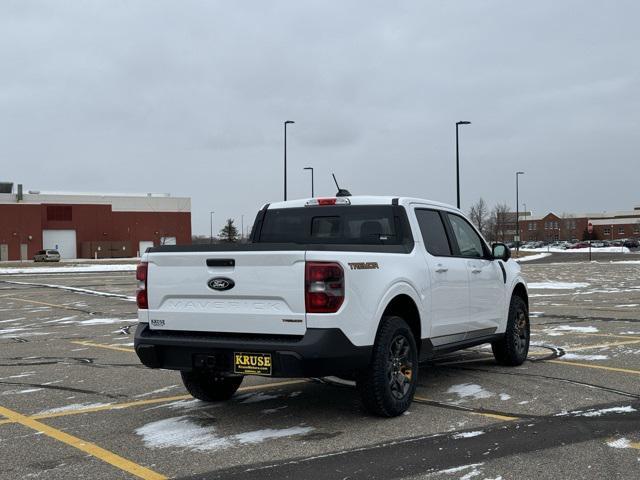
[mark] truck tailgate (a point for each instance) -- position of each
(267, 296)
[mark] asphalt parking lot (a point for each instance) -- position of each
(76, 403)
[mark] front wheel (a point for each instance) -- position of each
(207, 387)
(513, 348)
(388, 385)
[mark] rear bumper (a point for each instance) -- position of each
(320, 352)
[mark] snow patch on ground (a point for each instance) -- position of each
(620, 443)
(160, 390)
(77, 290)
(467, 434)
(578, 250)
(256, 397)
(470, 390)
(556, 285)
(570, 328)
(73, 269)
(598, 413)
(577, 356)
(11, 330)
(461, 468)
(100, 321)
(74, 406)
(183, 433)
(630, 305)
(18, 392)
(277, 409)
(259, 436)
(528, 258)
(504, 396)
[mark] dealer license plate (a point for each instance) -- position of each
(248, 363)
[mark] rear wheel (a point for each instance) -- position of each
(513, 348)
(207, 387)
(388, 385)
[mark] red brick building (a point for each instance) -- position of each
(90, 225)
(606, 226)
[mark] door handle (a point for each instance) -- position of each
(476, 270)
(441, 269)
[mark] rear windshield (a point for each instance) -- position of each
(356, 225)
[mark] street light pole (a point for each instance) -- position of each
(285, 156)
(310, 168)
(211, 222)
(464, 122)
(518, 214)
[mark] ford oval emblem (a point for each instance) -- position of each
(221, 283)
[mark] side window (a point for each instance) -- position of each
(433, 233)
(469, 243)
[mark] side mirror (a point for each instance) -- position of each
(501, 252)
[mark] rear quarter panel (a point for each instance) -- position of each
(369, 290)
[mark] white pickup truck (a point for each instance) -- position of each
(357, 287)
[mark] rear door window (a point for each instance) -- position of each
(433, 232)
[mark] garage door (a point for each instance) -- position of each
(143, 245)
(62, 240)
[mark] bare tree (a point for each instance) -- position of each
(499, 222)
(479, 215)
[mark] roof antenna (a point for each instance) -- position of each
(341, 192)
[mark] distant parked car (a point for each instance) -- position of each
(632, 243)
(597, 244)
(47, 256)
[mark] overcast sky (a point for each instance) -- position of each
(188, 97)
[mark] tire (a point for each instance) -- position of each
(513, 348)
(207, 387)
(388, 385)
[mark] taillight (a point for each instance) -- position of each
(141, 293)
(324, 287)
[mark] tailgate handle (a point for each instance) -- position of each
(221, 262)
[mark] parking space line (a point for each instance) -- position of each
(580, 334)
(113, 406)
(496, 416)
(601, 345)
(599, 367)
(610, 335)
(458, 408)
(102, 345)
(75, 309)
(151, 401)
(82, 445)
